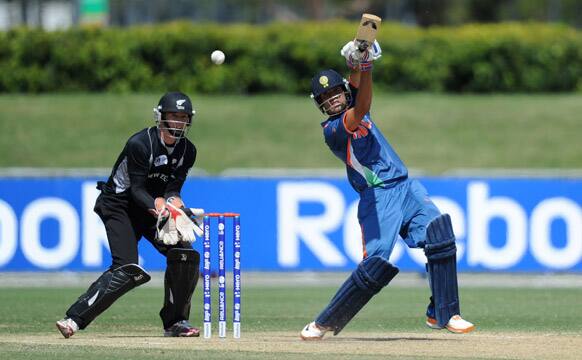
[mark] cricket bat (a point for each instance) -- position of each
(367, 30)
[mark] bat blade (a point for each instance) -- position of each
(369, 25)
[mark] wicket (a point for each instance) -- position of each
(236, 308)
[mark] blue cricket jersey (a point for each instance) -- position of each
(369, 158)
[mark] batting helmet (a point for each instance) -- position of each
(325, 81)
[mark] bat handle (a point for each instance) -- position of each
(362, 45)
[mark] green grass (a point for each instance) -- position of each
(431, 132)
(33, 311)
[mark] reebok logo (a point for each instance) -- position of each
(180, 104)
(138, 278)
(183, 257)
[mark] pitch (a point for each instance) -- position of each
(512, 322)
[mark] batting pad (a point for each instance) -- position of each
(371, 275)
(441, 252)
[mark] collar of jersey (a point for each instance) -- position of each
(331, 118)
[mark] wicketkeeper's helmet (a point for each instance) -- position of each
(325, 81)
(176, 102)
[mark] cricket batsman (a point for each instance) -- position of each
(391, 203)
(142, 198)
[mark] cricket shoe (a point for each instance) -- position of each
(455, 325)
(182, 329)
(312, 331)
(67, 327)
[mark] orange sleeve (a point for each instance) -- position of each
(344, 123)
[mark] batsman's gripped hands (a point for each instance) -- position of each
(360, 60)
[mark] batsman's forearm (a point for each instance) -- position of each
(364, 98)
(355, 78)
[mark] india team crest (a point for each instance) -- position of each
(324, 81)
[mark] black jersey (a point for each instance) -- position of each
(147, 169)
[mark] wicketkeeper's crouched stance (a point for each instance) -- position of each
(390, 205)
(142, 199)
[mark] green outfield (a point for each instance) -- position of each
(516, 323)
(432, 132)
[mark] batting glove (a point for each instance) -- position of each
(360, 60)
(375, 51)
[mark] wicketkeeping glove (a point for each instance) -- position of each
(195, 215)
(166, 231)
(184, 226)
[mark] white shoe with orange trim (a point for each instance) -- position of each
(312, 331)
(456, 325)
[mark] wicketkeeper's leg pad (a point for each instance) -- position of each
(182, 273)
(440, 250)
(109, 287)
(371, 275)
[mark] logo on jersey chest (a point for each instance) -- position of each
(161, 160)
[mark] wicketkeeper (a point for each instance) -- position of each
(391, 204)
(141, 198)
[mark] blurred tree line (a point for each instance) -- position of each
(424, 13)
(508, 57)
